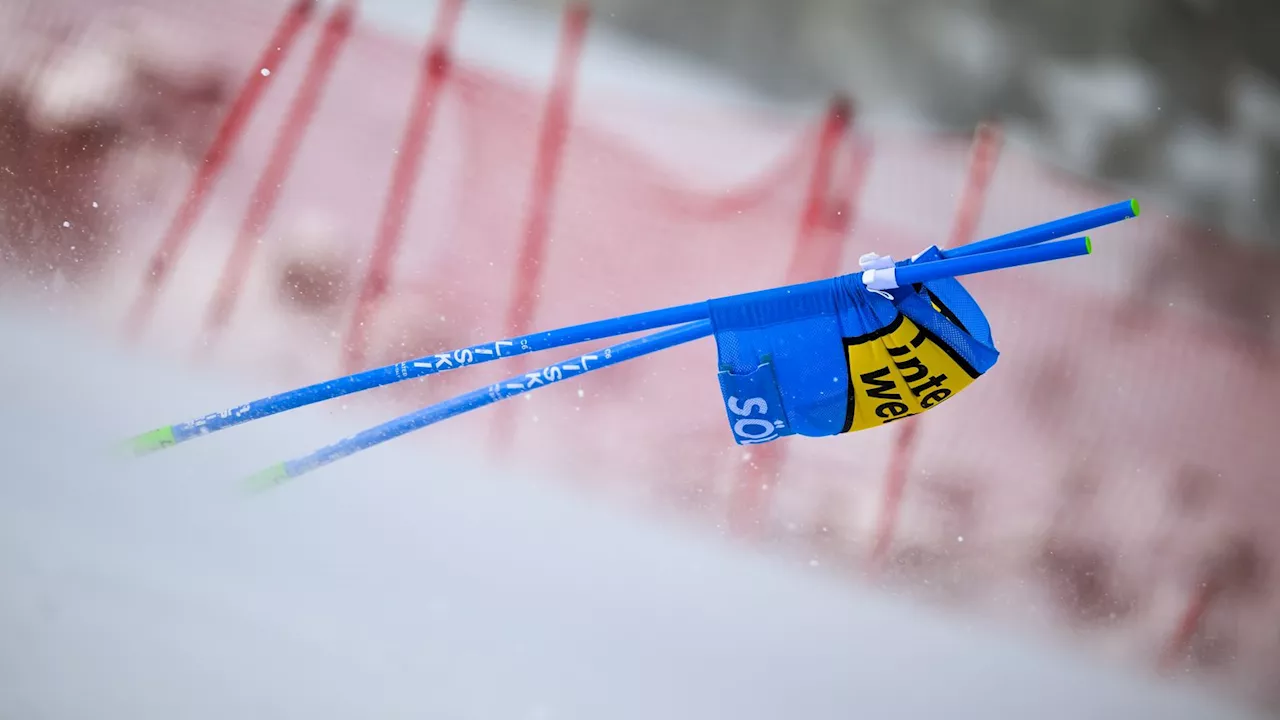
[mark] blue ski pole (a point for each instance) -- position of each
(987, 261)
(631, 349)
(1059, 228)
(512, 387)
(427, 365)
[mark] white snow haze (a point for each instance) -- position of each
(416, 581)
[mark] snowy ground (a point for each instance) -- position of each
(413, 583)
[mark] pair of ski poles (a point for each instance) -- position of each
(682, 323)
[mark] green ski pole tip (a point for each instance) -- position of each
(149, 442)
(268, 478)
(1088, 245)
(1133, 205)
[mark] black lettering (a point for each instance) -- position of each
(897, 351)
(878, 387)
(894, 410)
(935, 397)
(935, 381)
(917, 368)
(919, 339)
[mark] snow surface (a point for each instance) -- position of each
(417, 581)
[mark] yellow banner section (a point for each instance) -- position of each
(900, 371)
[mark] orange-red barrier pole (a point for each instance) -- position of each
(1236, 570)
(554, 134)
(404, 179)
(266, 194)
(900, 457)
(213, 163)
(983, 156)
(813, 255)
(1189, 623)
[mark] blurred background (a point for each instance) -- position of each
(277, 192)
(1177, 98)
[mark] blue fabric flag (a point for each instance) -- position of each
(833, 356)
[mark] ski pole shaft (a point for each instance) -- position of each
(512, 387)
(427, 365)
(995, 260)
(1059, 228)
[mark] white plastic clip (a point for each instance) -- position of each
(881, 278)
(872, 261)
(879, 274)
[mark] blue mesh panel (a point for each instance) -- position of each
(961, 323)
(798, 331)
(795, 337)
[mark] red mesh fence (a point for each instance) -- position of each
(1114, 475)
